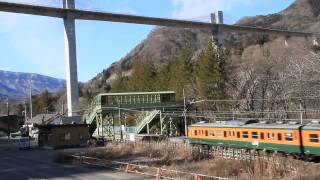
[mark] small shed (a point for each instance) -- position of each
(63, 136)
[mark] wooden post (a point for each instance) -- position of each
(159, 173)
(127, 168)
(197, 177)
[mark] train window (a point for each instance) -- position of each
(238, 134)
(224, 133)
(206, 133)
(271, 136)
(279, 136)
(212, 133)
(165, 98)
(289, 137)
(261, 135)
(195, 132)
(314, 138)
(254, 135)
(245, 134)
(219, 133)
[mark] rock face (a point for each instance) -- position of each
(163, 42)
(309, 8)
(16, 84)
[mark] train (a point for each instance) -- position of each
(289, 138)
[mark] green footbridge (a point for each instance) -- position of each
(106, 115)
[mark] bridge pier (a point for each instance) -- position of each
(71, 60)
(217, 34)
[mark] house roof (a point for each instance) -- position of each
(50, 126)
(54, 119)
(41, 119)
(67, 120)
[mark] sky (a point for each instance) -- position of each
(36, 44)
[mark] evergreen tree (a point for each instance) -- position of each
(210, 76)
(182, 72)
(143, 77)
(164, 77)
(20, 109)
(119, 84)
(44, 102)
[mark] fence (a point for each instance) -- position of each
(158, 173)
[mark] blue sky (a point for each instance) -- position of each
(35, 44)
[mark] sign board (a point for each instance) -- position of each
(132, 137)
(24, 143)
(255, 143)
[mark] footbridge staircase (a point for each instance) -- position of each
(145, 119)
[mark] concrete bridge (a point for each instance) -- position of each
(69, 14)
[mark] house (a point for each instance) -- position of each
(39, 119)
(63, 135)
(49, 119)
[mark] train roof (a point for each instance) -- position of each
(248, 124)
(314, 125)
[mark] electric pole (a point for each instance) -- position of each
(30, 95)
(25, 111)
(120, 122)
(8, 118)
(185, 113)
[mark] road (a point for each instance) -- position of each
(37, 164)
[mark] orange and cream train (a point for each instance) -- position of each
(288, 138)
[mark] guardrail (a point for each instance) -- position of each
(158, 173)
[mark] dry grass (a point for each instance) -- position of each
(181, 158)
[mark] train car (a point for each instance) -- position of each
(310, 139)
(273, 137)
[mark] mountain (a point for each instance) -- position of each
(163, 43)
(16, 84)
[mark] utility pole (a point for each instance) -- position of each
(301, 112)
(25, 111)
(120, 122)
(30, 95)
(185, 113)
(62, 108)
(8, 118)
